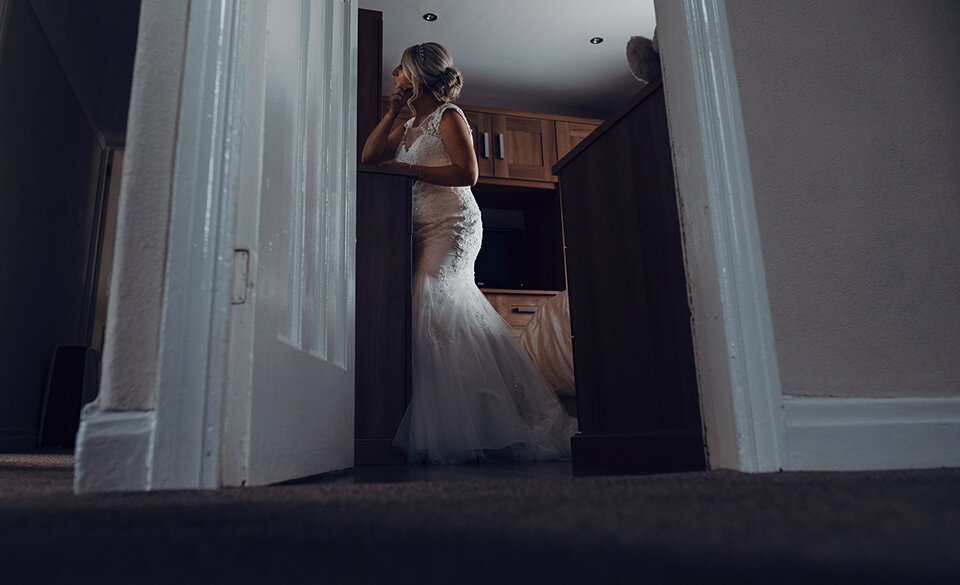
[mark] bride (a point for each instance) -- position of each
(476, 393)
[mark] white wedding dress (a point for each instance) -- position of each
(477, 394)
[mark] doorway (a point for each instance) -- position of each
(632, 402)
(139, 403)
(736, 365)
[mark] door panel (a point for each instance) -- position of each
(301, 371)
(482, 140)
(525, 148)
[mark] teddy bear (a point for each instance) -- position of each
(643, 55)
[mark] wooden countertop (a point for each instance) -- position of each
(385, 170)
(518, 291)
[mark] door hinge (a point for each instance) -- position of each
(240, 280)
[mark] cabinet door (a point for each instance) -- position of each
(524, 148)
(482, 140)
(569, 134)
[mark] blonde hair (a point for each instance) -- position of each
(430, 66)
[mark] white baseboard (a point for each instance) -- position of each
(114, 450)
(846, 434)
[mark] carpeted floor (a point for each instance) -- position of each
(487, 524)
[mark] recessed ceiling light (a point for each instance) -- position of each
(596, 40)
(429, 17)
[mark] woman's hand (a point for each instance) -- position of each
(382, 143)
(399, 96)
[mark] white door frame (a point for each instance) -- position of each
(741, 397)
(740, 390)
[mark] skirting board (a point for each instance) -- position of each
(114, 450)
(848, 434)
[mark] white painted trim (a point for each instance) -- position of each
(114, 450)
(755, 401)
(196, 301)
(845, 434)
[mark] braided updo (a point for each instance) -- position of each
(429, 66)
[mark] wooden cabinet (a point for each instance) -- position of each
(482, 140)
(521, 145)
(533, 214)
(569, 134)
(383, 346)
(513, 146)
(637, 397)
(517, 307)
(517, 146)
(524, 148)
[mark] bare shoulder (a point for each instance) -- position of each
(452, 120)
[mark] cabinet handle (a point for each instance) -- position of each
(526, 310)
(486, 144)
(500, 146)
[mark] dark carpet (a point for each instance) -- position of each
(487, 524)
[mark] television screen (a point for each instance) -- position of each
(500, 262)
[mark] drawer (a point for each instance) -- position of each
(520, 311)
(517, 309)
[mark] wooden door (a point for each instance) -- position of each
(524, 148)
(569, 134)
(480, 126)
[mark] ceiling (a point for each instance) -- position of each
(526, 54)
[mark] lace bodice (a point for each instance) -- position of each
(423, 144)
(447, 224)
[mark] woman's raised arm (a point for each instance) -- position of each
(382, 143)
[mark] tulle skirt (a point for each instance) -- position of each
(477, 395)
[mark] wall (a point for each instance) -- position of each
(130, 353)
(851, 112)
(95, 41)
(49, 163)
